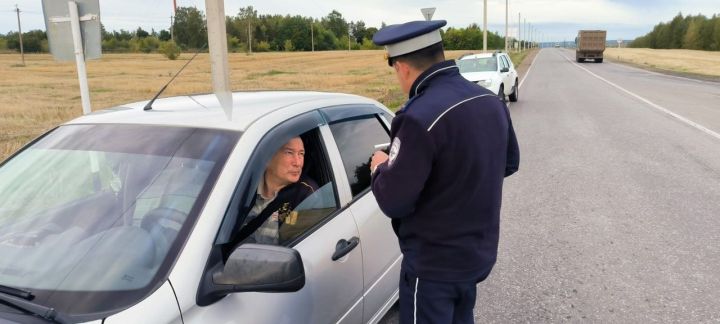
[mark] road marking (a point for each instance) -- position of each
(648, 102)
(529, 69)
(508, 103)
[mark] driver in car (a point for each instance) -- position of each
(280, 190)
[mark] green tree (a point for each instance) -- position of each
(189, 27)
(324, 39)
(288, 46)
(359, 31)
(34, 41)
(677, 29)
(691, 39)
(170, 50)
(336, 23)
(164, 35)
(141, 33)
(691, 32)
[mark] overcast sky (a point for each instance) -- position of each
(555, 19)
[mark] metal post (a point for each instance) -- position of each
(249, 36)
(79, 57)
(312, 35)
(217, 46)
(525, 28)
(22, 51)
(506, 26)
(172, 29)
(519, 33)
(484, 25)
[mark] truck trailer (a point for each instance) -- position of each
(590, 45)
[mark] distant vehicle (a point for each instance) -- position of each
(129, 215)
(557, 44)
(494, 71)
(590, 45)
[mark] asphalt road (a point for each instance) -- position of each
(614, 216)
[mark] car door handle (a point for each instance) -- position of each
(344, 247)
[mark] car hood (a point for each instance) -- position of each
(477, 76)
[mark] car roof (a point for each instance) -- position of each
(479, 55)
(204, 110)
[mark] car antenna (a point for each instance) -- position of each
(148, 106)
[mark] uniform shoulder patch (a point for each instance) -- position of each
(394, 150)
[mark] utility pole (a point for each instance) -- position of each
(172, 24)
(172, 29)
(506, 26)
(312, 35)
(348, 38)
(484, 25)
(525, 34)
(249, 34)
(519, 33)
(22, 51)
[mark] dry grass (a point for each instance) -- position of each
(683, 61)
(45, 93)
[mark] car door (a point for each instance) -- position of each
(333, 289)
(356, 133)
(508, 77)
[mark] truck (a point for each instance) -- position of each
(590, 45)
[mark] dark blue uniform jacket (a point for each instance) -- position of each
(452, 145)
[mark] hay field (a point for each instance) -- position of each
(701, 63)
(45, 93)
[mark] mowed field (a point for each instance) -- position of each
(45, 93)
(691, 62)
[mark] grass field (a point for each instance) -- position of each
(45, 93)
(701, 63)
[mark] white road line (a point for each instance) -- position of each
(650, 103)
(529, 69)
(508, 103)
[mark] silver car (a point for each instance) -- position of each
(129, 215)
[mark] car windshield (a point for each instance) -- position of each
(101, 210)
(483, 64)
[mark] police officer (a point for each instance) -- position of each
(452, 145)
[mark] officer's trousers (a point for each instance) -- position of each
(435, 302)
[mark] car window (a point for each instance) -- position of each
(357, 139)
(310, 212)
(299, 206)
(503, 63)
(89, 214)
(507, 61)
(482, 64)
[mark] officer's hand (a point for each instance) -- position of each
(378, 158)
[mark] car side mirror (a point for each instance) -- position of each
(505, 69)
(261, 268)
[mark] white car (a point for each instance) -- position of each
(130, 216)
(493, 71)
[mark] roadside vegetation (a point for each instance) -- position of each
(689, 32)
(249, 32)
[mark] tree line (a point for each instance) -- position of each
(689, 32)
(248, 31)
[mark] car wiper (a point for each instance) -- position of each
(24, 294)
(47, 313)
